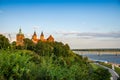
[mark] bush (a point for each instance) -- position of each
(99, 73)
(4, 42)
(26, 65)
(14, 66)
(117, 69)
(106, 64)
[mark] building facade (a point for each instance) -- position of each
(20, 38)
(35, 39)
(50, 39)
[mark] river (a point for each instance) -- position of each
(104, 57)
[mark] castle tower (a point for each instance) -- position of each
(50, 39)
(42, 37)
(19, 38)
(34, 37)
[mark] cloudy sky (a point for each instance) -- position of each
(80, 23)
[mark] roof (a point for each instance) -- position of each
(20, 32)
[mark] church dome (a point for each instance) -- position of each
(20, 32)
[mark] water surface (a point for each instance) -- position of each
(105, 57)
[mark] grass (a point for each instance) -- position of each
(94, 66)
(106, 64)
(99, 72)
(117, 69)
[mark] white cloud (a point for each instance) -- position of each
(90, 40)
(67, 32)
(90, 43)
(91, 34)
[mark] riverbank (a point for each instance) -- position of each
(114, 75)
(114, 64)
(108, 58)
(113, 68)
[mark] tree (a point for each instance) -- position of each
(4, 42)
(13, 45)
(67, 46)
(43, 48)
(59, 49)
(28, 44)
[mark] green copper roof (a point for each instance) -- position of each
(20, 32)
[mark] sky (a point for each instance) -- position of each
(79, 23)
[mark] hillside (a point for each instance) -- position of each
(46, 61)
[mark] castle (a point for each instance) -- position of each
(20, 38)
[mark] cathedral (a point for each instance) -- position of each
(35, 39)
(20, 38)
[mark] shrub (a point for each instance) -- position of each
(14, 66)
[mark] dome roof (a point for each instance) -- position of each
(20, 32)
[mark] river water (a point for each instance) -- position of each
(103, 57)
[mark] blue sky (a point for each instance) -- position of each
(80, 23)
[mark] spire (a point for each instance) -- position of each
(42, 33)
(42, 37)
(20, 31)
(34, 32)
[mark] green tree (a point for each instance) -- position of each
(4, 42)
(15, 66)
(28, 44)
(13, 45)
(60, 49)
(43, 48)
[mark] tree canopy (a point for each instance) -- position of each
(4, 42)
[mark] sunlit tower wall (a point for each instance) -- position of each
(20, 38)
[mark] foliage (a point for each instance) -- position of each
(46, 61)
(27, 65)
(21, 65)
(4, 42)
(14, 66)
(42, 48)
(13, 45)
(28, 44)
(99, 73)
(106, 64)
(117, 69)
